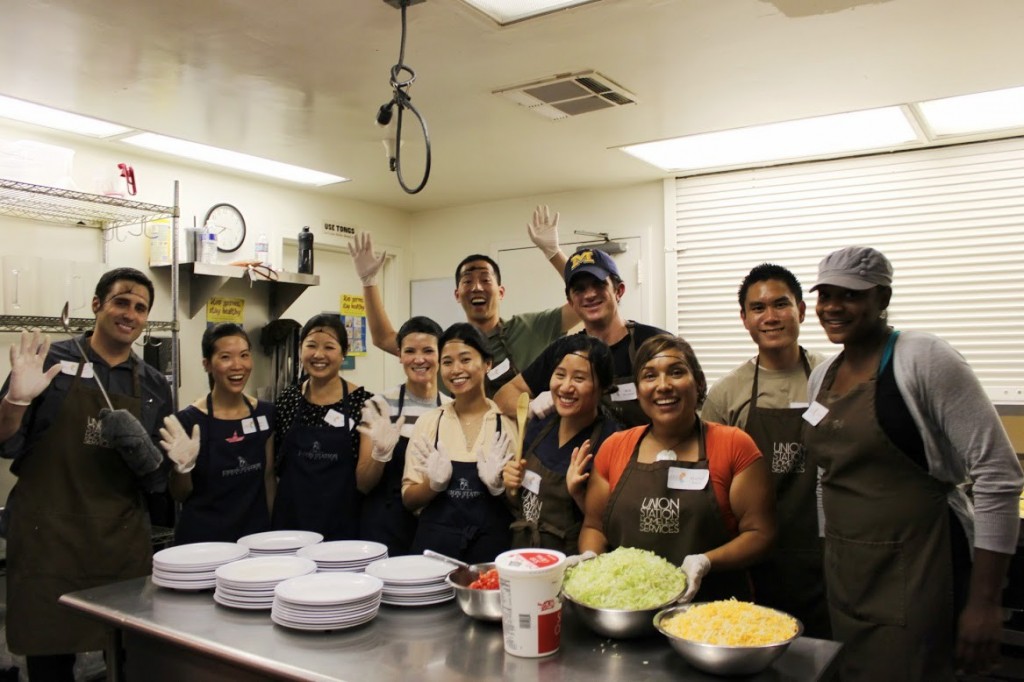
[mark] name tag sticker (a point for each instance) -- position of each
(626, 391)
(688, 479)
(263, 423)
(815, 413)
(531, 481)
(69, 367)
(334, 418)
(798, 406)
(499, 369)
(248, 425)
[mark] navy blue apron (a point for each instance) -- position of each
(465, 521)
(385, 519)
(316, 488)
(229, 493)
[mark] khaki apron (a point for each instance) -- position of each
(550, 519)
(644, 512)
(791, 578)
(79, 521)
(887, 546)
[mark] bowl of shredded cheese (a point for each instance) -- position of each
(728, 637)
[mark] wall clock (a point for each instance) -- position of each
(229, 225)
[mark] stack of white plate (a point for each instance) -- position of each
(413, 580)
(351, 556)
(250, 583)
(279, 542)
(326, 601)
(191, 567)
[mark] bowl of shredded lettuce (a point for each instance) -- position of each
(617, 594)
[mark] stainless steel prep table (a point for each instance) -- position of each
(167, 635)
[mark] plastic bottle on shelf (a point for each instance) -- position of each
(263, 249)
(306, 251)
(208, 244)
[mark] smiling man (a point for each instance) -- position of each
(514, 342)
(765, 396)
(77, 515)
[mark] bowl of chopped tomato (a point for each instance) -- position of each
(476, 591)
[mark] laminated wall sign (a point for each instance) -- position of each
(353, 316)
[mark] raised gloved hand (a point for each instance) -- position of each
(695, 566)
(575, 559)
(543, 229)
(28, 379)
(367, 265)
(435, 465)
(181, 448)
(378, 428)
(126, 434)
(542, 405)
(490, 460)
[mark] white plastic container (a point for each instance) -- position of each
(21, 285)
(208, 244)
(530, 581)
(262, 253)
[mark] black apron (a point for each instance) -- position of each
(229, 491)
(887, 545)
(316, 488)
(791, 578)
(644, 512)
(465, 521)
(550, 519)
(79, 520)
(492, 384)
(626, 412)
(385, 519)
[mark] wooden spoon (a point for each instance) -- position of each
(522, 412)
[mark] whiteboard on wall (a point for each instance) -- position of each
(434, 298)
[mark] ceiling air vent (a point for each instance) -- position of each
(569, 94)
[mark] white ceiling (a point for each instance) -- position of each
(301, 81)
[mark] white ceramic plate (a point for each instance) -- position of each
(428, 602)
(298, 625)
(410, 570)
(345, 551)
(199, 554)
(248, 606)
(184, 585)
(329, 588)
(280, 540)
(265, 569)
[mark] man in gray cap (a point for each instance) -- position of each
(593, 288)
(901, 428)
(766, 396)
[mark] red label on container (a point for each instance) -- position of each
(540, 559)
(549, 632)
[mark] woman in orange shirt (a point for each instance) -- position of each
(698, 494)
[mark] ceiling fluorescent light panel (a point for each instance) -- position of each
(56, 119)
(230, 159)
(510, 11)
(973, 114)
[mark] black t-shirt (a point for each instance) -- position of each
(538, 375)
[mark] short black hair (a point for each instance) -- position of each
(419, 324)
(331, 321)
(765, 272)
(477, 256)
(659, 343)
(469, 335)
(598, 355)
(111, 277)
(616, 280)
(217, 332)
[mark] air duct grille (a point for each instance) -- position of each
(569, 94)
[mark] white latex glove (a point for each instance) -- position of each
(575, 559)
(438, 468)
(543, 229)
(695, 566)
(28, 379)
(182, 449)
(491, 460)
(367, 265)
(378, 428)
(542, 405)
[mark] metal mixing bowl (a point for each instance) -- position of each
(480, 604)
(723, 660)
(617, 623)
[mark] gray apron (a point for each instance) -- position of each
(887, 546)
(79, 521)
(644, 512)
(791, 578)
